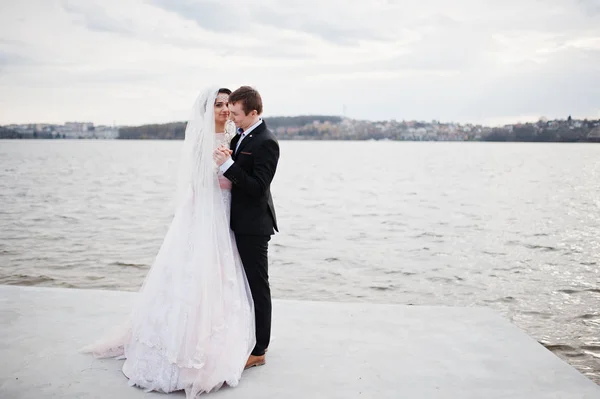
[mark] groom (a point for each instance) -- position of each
(250, 164)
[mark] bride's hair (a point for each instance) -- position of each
(222, 90)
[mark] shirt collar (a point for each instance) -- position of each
(251, 128)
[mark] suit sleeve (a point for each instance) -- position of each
(265, 164)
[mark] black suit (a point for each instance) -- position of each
(253, 218)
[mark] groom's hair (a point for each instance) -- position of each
(249, 98)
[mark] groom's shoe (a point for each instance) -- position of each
(254, 361)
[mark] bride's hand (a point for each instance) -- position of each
(220, 155)
(225, 150)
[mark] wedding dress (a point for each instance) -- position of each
(192, 325)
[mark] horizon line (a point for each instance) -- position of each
(530, 120)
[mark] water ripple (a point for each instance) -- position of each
(513, 227)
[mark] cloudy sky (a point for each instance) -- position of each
(144, 61)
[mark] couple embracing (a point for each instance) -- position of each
(203, 314)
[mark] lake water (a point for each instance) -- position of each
(511, 226)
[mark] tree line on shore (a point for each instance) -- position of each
(324, 127)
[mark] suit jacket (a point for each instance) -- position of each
(253, 169)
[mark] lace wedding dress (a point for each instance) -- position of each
(192, 324)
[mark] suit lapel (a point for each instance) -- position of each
(249, 137)
(234, 141)
(245, 142)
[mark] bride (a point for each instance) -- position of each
(192, 324)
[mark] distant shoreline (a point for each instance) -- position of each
(334, 128)
(589, 141)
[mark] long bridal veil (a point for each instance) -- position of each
(192, 323)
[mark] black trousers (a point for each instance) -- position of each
(253, 252)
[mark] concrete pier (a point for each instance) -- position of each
(318, 350)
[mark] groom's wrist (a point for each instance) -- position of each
(226, 165)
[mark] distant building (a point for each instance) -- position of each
(105, 132)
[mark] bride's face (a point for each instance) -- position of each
(221, 108)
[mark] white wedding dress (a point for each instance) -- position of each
(192, 325)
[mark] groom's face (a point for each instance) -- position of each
(240, 118)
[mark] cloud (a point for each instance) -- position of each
(138, 61)
(214, 16)
(319, 19)
(95, 18)
(322, 24)
(590, 7)
(565, 89)
(9, 59)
